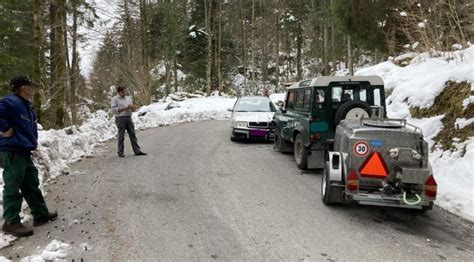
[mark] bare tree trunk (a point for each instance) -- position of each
(299, 41)
(254, 84)
(38, 9)
(333, 46)
(219, 47)
(74, 71)
(325, 51)
(288, 54)
(242, 33)
(277, 43)
(168, 77)
(264, 41)
(174, 50)
(209, 45)
(67, 80)
(265, 60)
(144, 32)
(299, 44)
(185, 19)
(128, 33)
(349, 56)
(391, 41)
(325, 40)
(175, 72)
(58, 64)
(144, 40)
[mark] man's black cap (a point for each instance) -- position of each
(19, 81)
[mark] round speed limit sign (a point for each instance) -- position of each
(361, 148)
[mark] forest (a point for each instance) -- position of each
(164, 46)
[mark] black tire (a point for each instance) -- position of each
(300, 153)
(424, 209)
(342, 111)
(330, 195)
(280, 144)
(277, 143)
(233, 139)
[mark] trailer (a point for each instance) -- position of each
(381, 162)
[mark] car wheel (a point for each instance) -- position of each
(233, 138)
(330, 194)
(280, 144)
(352, 110)
(277, 143)
(300, 153)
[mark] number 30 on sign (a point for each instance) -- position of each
(361, 148)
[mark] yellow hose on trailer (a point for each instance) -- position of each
(411, 203)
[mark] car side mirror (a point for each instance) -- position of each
(229, 109)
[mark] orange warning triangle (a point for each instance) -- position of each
(374, 166)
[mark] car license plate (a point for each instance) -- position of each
(259, 133)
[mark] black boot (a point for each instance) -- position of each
(16, 229)
(141, 153)
(51, 216)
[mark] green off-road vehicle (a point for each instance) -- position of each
(313, 108)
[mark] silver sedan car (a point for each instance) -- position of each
(252, 117)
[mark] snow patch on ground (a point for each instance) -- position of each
(54, 251)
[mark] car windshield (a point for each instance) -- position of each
(254, 105)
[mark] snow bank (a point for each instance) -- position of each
(423, 79)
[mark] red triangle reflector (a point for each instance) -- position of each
(374, 166)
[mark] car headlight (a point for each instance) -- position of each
(239, 124)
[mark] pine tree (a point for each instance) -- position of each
(16, 31)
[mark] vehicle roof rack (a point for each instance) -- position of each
(326, 80)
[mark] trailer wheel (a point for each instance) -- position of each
(424, 209)
(330, 194)
(352, 110)
(300, 153)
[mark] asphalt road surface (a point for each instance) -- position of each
(198, 196)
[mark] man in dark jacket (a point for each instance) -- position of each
(18, 137)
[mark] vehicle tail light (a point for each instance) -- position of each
(352, 181)
(314, 137)
(431, 187)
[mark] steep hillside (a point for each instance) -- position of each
(450, 104)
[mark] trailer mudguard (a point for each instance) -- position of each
(335, 166)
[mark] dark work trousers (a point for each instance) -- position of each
(125, 123)
(20, 174)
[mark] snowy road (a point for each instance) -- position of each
(198, 196)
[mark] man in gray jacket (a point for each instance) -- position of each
(122, 106)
